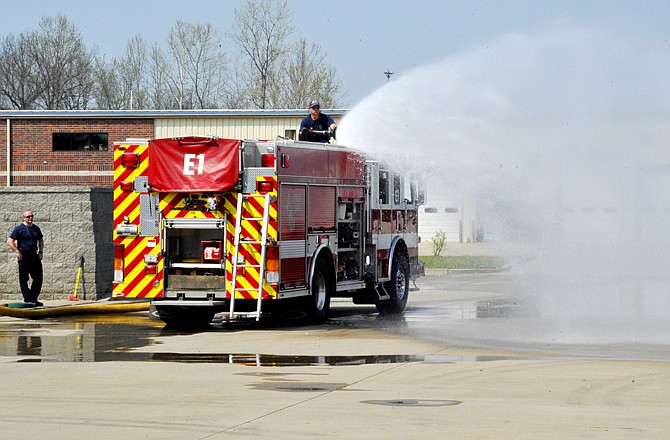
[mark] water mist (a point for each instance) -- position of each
(562, 137)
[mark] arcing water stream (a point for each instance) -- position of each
(563, 138)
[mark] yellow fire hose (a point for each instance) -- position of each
(78, 309)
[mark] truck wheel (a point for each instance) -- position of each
(186, 317)
(397, 288)
(318, 303)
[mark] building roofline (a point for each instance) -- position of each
(155, 114)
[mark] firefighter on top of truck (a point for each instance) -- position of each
(317, 127)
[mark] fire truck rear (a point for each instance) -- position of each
(205, 225)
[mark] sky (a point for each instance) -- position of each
(362, 39)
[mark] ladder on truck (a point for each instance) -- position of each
(242, 239)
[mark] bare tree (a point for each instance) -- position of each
(132, 69)
(51, 68)
(160, 95)
(308, 76)
(236, 95)
(62, 65)
(123, 83)
(17, 88)
(261, 31)
(175, 73)
(193, 69)
(206, 64)
(108, 91)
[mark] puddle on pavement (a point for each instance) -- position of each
(104, 338)
(435, 314)
(485, 309)
(272, 360)
(81, 339)
(299, 387)
(413, 402)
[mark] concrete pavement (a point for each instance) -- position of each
(448, 398)
(405, 389)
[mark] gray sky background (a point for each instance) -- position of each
(362, 39)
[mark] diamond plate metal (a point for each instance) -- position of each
(148, 215)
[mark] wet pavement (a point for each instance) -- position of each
(472, 357)
(481, 310)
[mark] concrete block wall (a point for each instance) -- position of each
(76, 222)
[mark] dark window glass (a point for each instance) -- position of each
(383, 187)
(80, 142)
(62, 141)
(99, 141)
(396, 189)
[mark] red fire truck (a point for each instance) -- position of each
(205, 225)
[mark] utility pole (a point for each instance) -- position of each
(388, 74)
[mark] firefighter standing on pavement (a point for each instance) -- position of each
(317, 121)
(27, 242)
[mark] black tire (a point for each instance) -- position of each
(186, 317)
(317, 305)
(397, 288)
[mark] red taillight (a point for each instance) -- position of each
(272, 259)
(268, 160)
(127, 186)
(264, 186)
(150, 269)
(272, 252)
(131, 160)
(119, 251)
(119, 254)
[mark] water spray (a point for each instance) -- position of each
(560, 139)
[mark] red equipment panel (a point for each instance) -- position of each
(193, 164)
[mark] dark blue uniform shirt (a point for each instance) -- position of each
(26, 237)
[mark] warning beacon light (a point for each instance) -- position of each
(130, 160)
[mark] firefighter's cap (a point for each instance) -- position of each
(314, 103)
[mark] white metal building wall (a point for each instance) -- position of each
(443, 211)
(230, 127)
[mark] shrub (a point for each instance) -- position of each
(439, 242)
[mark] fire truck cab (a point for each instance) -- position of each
(205, 225)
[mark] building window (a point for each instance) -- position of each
(451, 210)
(80, 142)
(430, 210)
